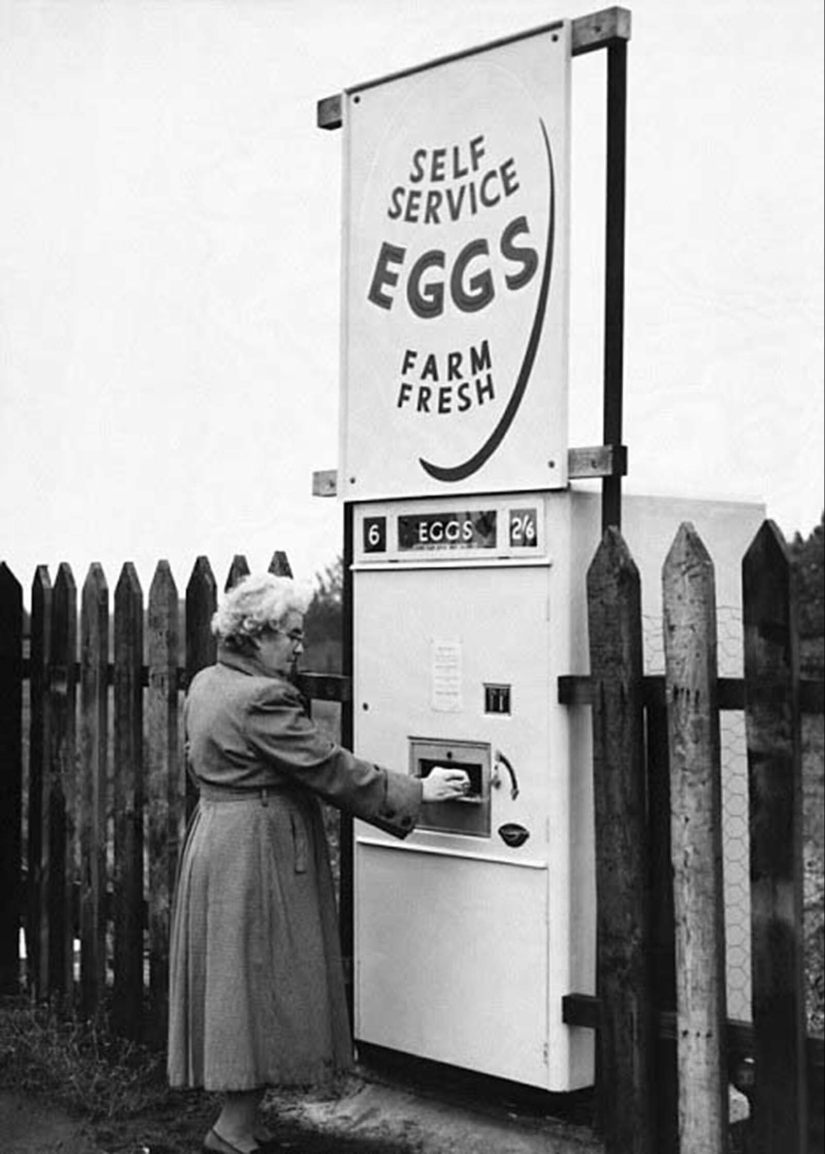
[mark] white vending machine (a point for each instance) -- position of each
(468, 932)
(468, 560)
(453, 448)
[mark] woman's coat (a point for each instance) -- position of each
(256, 992)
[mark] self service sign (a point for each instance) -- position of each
(455, 296)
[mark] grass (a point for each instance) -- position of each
(80, 1064)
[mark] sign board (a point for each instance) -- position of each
(455, 280)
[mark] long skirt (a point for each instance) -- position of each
(256, 994)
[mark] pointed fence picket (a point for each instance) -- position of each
(127, 874)
(38, 833)
(773, 728)
(165, 769)
(625, 979)
(61, 792)
(689, 602)
(11, 699)
(91, 812)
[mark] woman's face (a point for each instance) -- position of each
(279, 648)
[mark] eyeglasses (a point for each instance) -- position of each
(294, 635)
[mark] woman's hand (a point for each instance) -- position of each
(445, 784)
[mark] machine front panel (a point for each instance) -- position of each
(457, 648)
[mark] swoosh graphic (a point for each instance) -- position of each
(474, 463)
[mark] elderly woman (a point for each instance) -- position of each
(256, 990)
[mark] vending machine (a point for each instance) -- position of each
(453, 460)
(469, 553)
(468, 933)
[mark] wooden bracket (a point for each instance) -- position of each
(598, 461)
(325, 483)
(594, 462)
(599, 29)
(588, 33)
(329, 114)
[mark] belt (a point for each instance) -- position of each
(221, 793)
(210, 792)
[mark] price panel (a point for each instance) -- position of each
(467, 531)
(524, 528)
(375, 534)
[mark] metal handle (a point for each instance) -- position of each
(500, 759)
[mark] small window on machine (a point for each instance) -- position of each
(497, 699)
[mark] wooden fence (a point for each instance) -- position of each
(667, 1050)
(107, 792)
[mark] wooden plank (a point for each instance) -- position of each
(94, 654)
(689, 603)
(597, 461)
(128, 804)
(39, 650)
(60, 857)
(624, 972)
(591, 462)
(578, 690)
(11, 777)
(165, 786)
(772, 725)
(325, 686)
(238, 569)
(585, 1010)
(587, 33)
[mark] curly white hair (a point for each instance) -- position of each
(258, 602)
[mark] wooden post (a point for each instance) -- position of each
(128, 804)
(94, 658)
(772, 723)
(39, 656)
(60, 803)
(165, 789)
(689, 602)
(11, 777)
(614, 270)
(238, 569)
(627, 1034)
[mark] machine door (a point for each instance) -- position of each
(461, 929)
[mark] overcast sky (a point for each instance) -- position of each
(170, 263)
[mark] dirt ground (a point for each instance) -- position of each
(30, 1125)
(368, 1119)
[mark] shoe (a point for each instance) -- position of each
(224, 1147)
